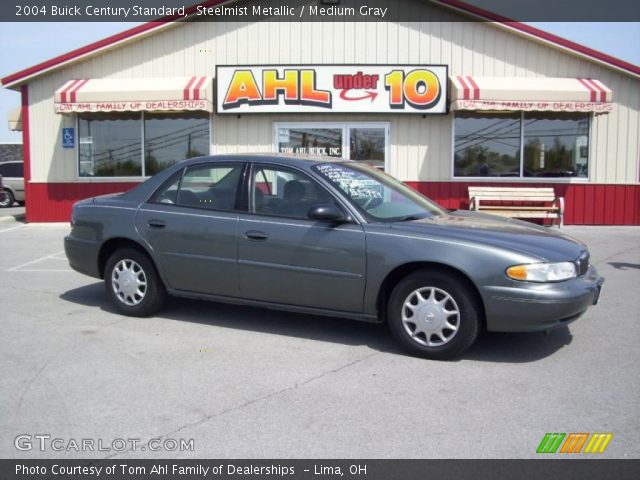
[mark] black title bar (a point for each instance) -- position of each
(326, 469)
(318, 10)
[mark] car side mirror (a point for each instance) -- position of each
(327, 212)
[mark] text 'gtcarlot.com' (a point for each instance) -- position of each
(45, 442)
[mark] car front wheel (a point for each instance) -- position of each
(433, 315)
(6, 199)
(132, 283)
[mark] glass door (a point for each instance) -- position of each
(366, 142)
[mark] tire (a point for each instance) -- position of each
(123, 268)
(6, 199)
(440, 294)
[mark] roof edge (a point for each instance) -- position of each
(16, 78)
(22, 76)
(556, 40)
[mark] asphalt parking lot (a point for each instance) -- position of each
(247, 382)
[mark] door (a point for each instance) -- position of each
(284, 257)
(191, 223)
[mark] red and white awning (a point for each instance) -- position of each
(135, 94)
(530, 94)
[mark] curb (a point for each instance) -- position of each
(19, 217)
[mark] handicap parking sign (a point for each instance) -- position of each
(68, 138)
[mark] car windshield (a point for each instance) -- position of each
(377, 195)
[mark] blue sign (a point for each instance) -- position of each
(68, 138)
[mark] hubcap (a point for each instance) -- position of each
(129, 282)
(430, 316)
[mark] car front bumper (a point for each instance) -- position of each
(531, 307)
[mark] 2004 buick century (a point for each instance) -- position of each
(331, 237)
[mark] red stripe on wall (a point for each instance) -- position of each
(52, 202)
(585, 204)
(26, 147)
(618, 199)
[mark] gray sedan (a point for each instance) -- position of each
(330, 237)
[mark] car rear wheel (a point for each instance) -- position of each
(6, 199)
(433, 315)
(133, 284)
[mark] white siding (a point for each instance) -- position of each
(421, 147)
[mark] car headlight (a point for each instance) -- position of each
(543, 272)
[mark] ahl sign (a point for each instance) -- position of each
(331, 89)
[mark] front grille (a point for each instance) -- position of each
(583, 264)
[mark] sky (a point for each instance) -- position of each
(25, 44)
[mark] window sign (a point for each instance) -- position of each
(310, 141)
(367, 142)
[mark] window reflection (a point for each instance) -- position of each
(173, 137)
(109, 145)
(487, 145)
(556, 145)
(367, 145)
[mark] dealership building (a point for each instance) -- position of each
(442, 104)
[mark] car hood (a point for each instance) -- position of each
(545, 243)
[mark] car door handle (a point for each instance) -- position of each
(256, 235)
(156, 224)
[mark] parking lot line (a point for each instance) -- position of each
(12, 228)
(42, 270)
(46, 257)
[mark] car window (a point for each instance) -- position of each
(11, 169)
(283, 192)
(212, 187)
(377, 195)
(168, 192)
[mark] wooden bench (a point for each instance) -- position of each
(486, 199)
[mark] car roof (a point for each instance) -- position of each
(276, 158)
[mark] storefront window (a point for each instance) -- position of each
(554, 145)
(365, 142)
(310, 141)
(172, 137)
(110, 144)
(487, 145)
